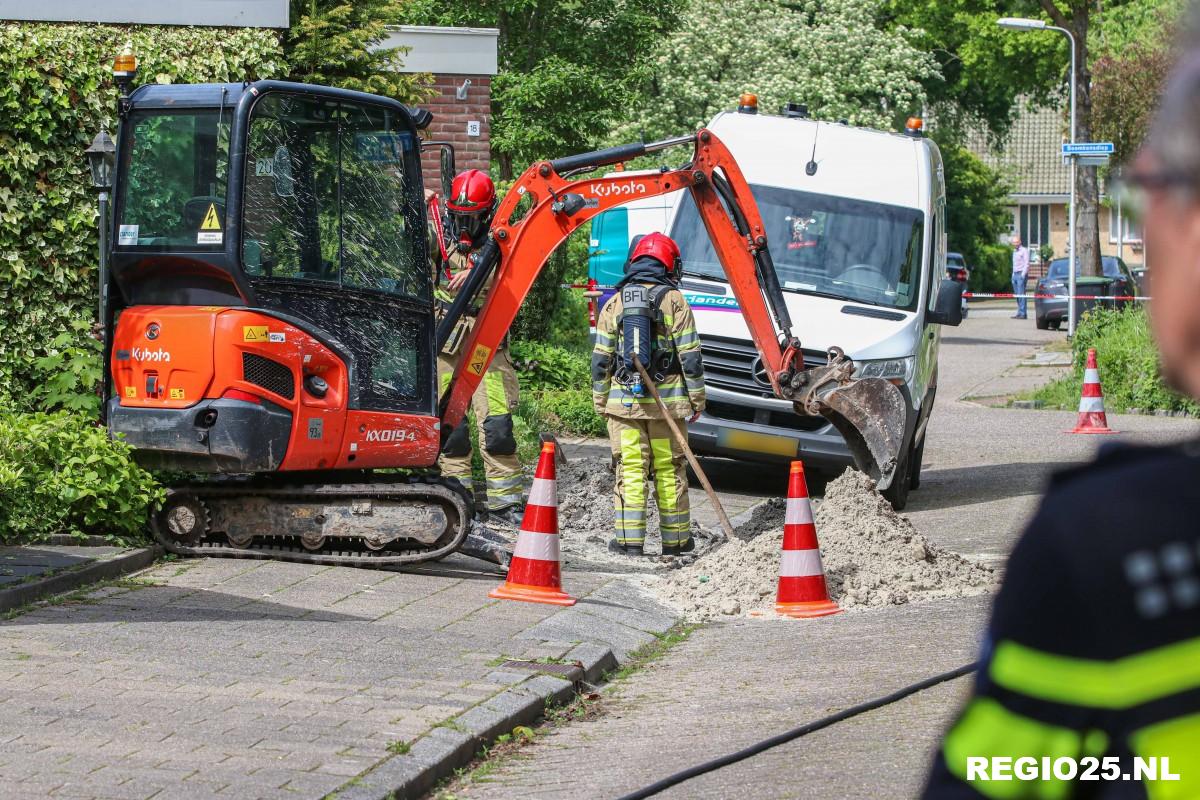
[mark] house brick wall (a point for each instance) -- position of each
(450, 118)
(1132, 253)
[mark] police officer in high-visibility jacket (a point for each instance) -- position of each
(1089, 680)
(470, 207)
(649, 318)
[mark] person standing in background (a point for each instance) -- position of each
(1019, 273)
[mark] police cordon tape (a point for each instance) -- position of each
(1011, 296)
(969, 295)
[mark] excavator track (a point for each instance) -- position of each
(362, 524)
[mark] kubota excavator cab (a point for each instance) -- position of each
(274, 301)
(271, 312)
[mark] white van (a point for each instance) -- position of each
(855, 221)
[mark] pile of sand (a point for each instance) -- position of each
(873, 557)
(585, 522)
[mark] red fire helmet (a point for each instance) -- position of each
(471, 192)
(661, 247)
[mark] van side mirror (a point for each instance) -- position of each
(948, 308)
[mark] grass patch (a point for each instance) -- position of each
(399, 748)
(1129, 366)
(652, 651)
(1058, 346)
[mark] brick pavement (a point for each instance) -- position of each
(249, 679)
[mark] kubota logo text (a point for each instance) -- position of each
(146, 354)
(391, 435)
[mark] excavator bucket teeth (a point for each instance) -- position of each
(870, 414)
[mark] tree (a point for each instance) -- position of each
(334, 43)
(976, 212)
(569, 69)
(1076, 17)
(828, 54)
(1134, 57)
(1125, 93)
(982, 68)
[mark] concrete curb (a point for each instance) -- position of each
(438, 753)
(71, 579)
(604, 643)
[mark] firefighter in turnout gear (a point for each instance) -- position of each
(470, 207)
(648, 318)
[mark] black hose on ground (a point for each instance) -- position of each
(795, 733)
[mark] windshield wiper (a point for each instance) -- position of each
(819, 293)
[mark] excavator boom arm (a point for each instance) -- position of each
(521, 244)
(546, 205)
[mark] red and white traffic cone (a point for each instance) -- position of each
(802, 590)
(535, 574)
(1092, 418)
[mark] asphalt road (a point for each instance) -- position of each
(732, 684)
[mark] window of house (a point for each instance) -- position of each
(1035, 225)
(1130, 232)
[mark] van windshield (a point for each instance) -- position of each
(829, 246)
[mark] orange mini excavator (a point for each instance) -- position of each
(270, 314)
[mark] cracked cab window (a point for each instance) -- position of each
(332, 196)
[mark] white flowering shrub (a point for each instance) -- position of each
(832, 55)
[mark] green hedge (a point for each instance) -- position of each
(96, 488)
(556, 389)
(56, 92)
(1128, 360)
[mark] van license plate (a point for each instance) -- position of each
(757, 443)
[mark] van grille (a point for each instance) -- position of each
(728, 364)
(270, 375)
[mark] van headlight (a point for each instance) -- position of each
(897, 370)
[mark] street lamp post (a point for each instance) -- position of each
(1022, 24)
(101, 160)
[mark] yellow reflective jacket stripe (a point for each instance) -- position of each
(987, 729)
(1121, 683)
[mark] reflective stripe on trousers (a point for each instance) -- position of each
(638, 446)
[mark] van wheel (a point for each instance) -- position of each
(914, 469)
(897, 493)
(1042, 323)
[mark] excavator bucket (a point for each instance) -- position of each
(870, 414)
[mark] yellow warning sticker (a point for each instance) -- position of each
(478, 359)
(254, 333)
(177, 394)
(210, 223)
(131, 391)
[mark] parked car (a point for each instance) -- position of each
(957, 270)
(1117, 281)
